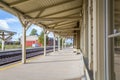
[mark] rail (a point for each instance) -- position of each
(16, 55)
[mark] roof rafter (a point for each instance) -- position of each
(65, 25)
(70, 22)
(65, 32)
(54, 19)
(69, 29)
(57, 22)
(68, 16)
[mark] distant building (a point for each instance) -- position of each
(50, 42)
(32, 40)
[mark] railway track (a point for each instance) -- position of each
(7, 57)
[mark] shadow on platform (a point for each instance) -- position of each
(53, 61)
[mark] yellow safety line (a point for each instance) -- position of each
(19, 63)
(10, 66)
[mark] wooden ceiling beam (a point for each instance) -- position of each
(57, 22)
(69, 29)
(66, 33)
(54, 19)
(67, 25)
(70, 22)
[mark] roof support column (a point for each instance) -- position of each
(62, 43)
(74, 43)
(3, 45)
(25, 26)
(54, 41)
(3, 42)
(99, 23)
(65, 43)
(89, 35)
(85, 23)
(45, 35)
(110, 73)
(23, 45)
(78, 39)
(58, 43)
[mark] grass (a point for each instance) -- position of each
(12, 46)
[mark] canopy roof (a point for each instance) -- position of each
(59, 16)
(5, 35)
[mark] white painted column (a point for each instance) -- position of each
(25, 26)
(109, 56)
(89, 35)
(99, 39)
(94, 41)
(3, 45)
(85, 28)
(58, 43)
(23, 45)
(45, 43)
(3, 42)
(65, 43)
(62, 43)
(54, 41)
(75, 43)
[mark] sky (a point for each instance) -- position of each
(10, 22)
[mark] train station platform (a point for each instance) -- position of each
(60, 65)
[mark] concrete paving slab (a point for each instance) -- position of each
(62, 65)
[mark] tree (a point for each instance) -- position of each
(33, 32)
(41, 38)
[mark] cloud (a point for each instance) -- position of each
(11, 20)
(36, 27)
(4, 25)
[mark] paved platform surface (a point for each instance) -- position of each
(62, 65)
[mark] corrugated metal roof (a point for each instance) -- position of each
(46, 9)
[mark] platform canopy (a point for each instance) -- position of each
(5, 35)
(58, 16)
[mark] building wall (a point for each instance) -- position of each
(30, 43)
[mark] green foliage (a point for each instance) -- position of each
(41, 38)
(60, 42)
(33, 32)
(0, 45)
